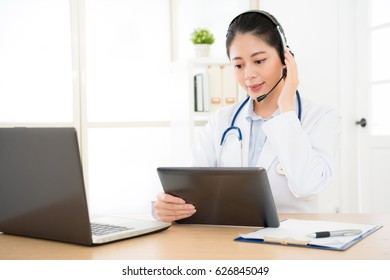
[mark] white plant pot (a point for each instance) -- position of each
(202, 50)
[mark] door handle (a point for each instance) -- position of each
(362, 122)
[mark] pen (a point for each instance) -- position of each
(345, 232)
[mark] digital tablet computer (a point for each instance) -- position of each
(223, 196)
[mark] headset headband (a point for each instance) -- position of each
(273, 20)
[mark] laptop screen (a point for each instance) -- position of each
(41, 185)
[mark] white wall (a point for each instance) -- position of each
(322, 34)
(312, 28)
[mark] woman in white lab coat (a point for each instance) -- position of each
(293, 139)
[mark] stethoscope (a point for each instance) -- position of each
(233, 127)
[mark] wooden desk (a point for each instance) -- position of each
(202, 242)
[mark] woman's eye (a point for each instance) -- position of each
(260, 61)
(238, 66)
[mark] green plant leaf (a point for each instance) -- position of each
(202, 36)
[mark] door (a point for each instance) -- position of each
(373, 120)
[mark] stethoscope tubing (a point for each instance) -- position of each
(234, 127)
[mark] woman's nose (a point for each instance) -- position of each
(249, 73)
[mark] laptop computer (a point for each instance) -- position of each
(223, 196)
(42, 191)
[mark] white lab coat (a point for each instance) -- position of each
(305, 151)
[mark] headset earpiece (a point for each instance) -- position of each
(284, 74)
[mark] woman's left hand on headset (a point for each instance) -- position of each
(287, 95)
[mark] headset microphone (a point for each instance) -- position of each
(262, 97)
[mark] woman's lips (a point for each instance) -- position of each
(255, 87)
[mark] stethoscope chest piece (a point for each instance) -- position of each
(279, 169)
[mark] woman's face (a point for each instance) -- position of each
(257, 66)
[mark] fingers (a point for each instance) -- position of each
(169, 218)
(292, 69)
(170, 198)
(287, 95)
(170, 208)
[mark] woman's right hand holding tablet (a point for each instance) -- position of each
(170, 208)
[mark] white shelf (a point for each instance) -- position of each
(185, 118)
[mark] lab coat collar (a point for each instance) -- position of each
(251, 115)
(267, 155)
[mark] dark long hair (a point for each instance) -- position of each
(257, 23)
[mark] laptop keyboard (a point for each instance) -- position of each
(103, 229)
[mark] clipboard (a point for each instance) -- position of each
(293, 232)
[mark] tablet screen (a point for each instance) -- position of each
(223, 196)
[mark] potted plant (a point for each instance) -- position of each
(202, 39)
